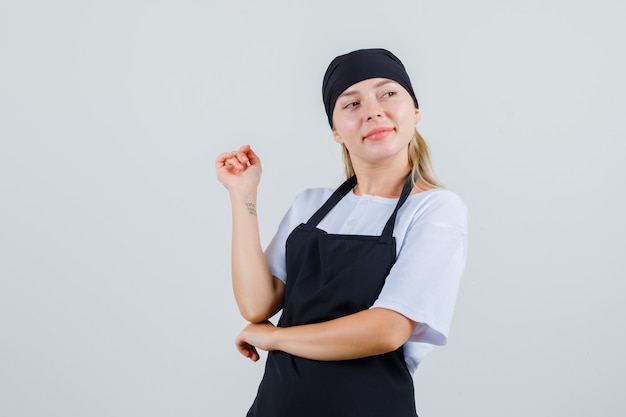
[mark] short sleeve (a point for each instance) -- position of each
(423, 283)
(301, 209)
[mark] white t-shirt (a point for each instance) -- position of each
(431, 245)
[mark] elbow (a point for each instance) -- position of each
(255, 315)
(393, 331)
(392, 342)
(258, 305)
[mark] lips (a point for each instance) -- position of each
(378, 133)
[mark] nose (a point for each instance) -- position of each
(373, 110)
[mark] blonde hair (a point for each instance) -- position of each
(419, 161)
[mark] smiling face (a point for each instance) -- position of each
(375, 120)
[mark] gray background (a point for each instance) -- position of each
(115, 297)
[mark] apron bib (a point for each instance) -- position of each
(330, 276)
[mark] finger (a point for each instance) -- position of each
(242, 154)
(229, 159)
(221, 158)
(253, 157)
(235, 163)
(247, 350)
(254, 355)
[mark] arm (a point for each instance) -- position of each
(366, 333)
(259, 295)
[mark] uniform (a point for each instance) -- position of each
(354, 253)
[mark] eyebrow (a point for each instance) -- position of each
(355, 92)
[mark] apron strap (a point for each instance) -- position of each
(337, 195)
(387, 236)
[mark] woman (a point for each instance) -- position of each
(366, 275)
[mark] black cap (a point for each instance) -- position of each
(356, 66)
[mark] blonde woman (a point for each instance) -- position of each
(366, 275)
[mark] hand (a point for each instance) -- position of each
(255, 335)
(240, 168)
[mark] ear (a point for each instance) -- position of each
(418, 116)
(337, 137)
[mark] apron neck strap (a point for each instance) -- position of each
(387, 236)
(337, 195)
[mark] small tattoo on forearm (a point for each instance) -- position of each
(251, 208)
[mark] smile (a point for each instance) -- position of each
(378, 133)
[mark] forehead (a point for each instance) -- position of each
(370, 83)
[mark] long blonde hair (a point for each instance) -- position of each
(419, 161)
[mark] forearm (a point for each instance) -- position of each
(367, 333)
(258, 294)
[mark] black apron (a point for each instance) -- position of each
(330, 276)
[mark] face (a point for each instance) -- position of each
(375, 119)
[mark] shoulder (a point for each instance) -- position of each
(306, 203)
(312, 197)
(440, 198)
(438, 206)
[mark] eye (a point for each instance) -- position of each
(351, 105)
(389, 94)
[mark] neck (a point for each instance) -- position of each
(381, 182)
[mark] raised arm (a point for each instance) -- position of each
(259, 295)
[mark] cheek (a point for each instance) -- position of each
(344, 126)
(336, 118)
(408, 117)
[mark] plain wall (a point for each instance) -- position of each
(115, 296)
